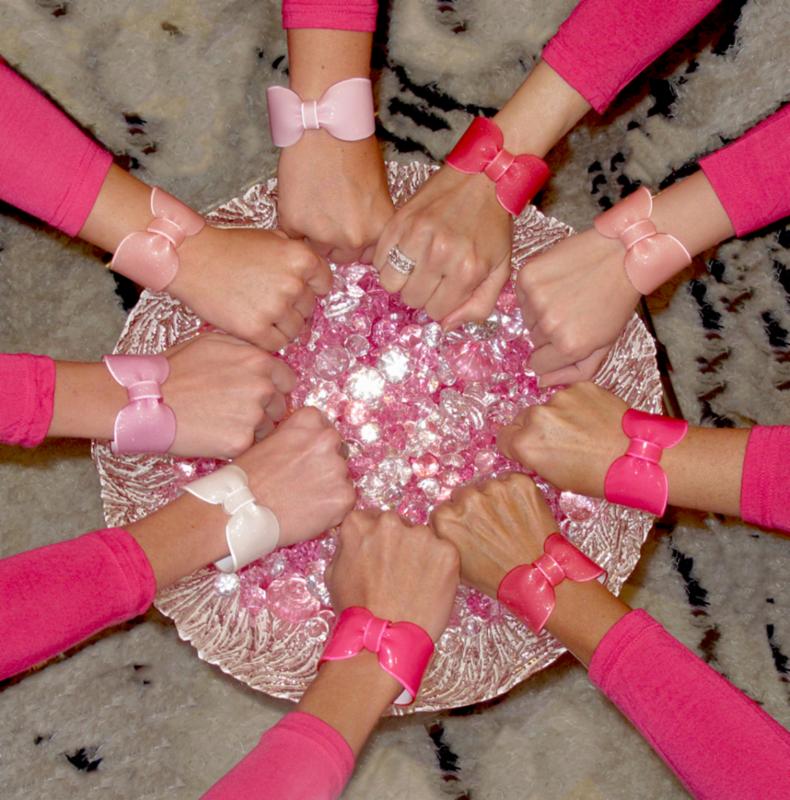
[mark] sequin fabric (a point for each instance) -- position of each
(418, 411)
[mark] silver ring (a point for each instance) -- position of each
(400, 262)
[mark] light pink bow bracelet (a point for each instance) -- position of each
(651, 258)
(146, 424)
(636, 479)
(403, 648)
(344, 110)
(528, 590)
(150, 257)
(482, 149)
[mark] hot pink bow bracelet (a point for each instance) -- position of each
(150, 257)
(403, 648)
(482, 149)
(651, 258)
(636, 479)
(528, 590)
(344, 110)
(146, 424)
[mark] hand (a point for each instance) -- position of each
(495, 526)
(570, 441)
(398, 572)
(460, 237)
(225, 394)
(576, 300)
(334, 194)
(299, 473)
(257, 285)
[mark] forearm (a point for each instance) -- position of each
(48, 166)
(319, 58)
(541, 112)
(705, 469)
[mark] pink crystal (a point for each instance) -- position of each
(291, 600)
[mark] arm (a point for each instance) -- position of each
(740, 188)
(332, 192)
(574, 438)
(55, 596)
(224, 393)
(717, 741)
(251, 283)
(398, 573)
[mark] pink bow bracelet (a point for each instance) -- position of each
(651, 258)
(150, 257)
(482, 149)
(636, 479)
(146, 424)
(403, 648)
(528, 590)
(344, 110)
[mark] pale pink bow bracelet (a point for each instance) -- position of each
(403, 648)
(651, 258)
(344, 110)
(528, 590)
(482, 149)
(636, 479)
(146, 424)
(150, 257)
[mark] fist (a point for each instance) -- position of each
(571, 440)
(396, 571)
(225, 395)
(300, 473)
(495, 527)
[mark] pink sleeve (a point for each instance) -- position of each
(343, 15)
(604, 44)
(300, 758)
(765, 483)
(56, 596)
(720, 744)
(751, 176)
(27, 395)
(48, 166)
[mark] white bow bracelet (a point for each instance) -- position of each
(252, 530)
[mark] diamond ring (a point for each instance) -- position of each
(400, 262)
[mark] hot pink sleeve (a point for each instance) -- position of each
(751, 176)
(343, 15)
(719, 743)
(56, 596)
(48, 166)
(765, 482)
(300, 758)
(27, 394)
(604, 44)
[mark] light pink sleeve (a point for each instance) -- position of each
(48, 166)
(300, 758)
(720, 744)
(604, 44)
(751, 176)
(27, 394)
(765, 482)
(56, 596)
(344, 15)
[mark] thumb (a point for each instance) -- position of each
(483, 299)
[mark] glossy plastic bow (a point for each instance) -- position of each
(146, 424)
(528, 590)
(345, 111)
(636, 479)
(150, 257)
(651, 258)
(252, 530)
(403, 648)
(482, 149)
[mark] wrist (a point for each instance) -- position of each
(87, 401)
(319, 58)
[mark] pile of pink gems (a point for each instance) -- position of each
(418, 410)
